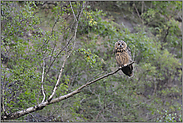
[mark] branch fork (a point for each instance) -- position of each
(58, 99)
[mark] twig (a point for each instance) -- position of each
(42, 81)
(167, 31)
(73, 12)
(101, 112)
(52, 34)
(57, 83)
(57, 56)
(68, 41)
(3, 90)
(50, 100)
(80, 88)
(134, 54)
(54, 25)
(97, 75)
(42, 105)
(99, 100)
(142, 9)
(33, 117)
(78, 19)
(138, 13)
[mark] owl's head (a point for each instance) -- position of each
(120, 45)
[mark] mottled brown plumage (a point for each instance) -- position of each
(123, 57)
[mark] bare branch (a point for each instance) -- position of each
(73, 12)
(69, 41)
(54, 24)
(23, 112)
(138, 13)
(101, 111)
(57, 83)
(58, 99)
(133, 54)
(83, 86)
(167, 31)
(42, 82)
(78, 19)
(3, 90)
(42, 105)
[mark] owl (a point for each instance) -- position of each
(123, 57)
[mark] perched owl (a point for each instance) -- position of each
(123, 57)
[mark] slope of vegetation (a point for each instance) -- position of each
(80, 36)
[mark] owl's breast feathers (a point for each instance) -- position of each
(119, 50)
(122, 58)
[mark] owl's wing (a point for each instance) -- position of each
(129, 53)
(128, 70)
(115, 50)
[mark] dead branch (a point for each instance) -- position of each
(42, 87)
(167, 31)
(73, 12)
(102, 111)
(138, 13)
(3, 91)
(57, 83)
(58, 99)
(80, 88)
(44, 104)
(69, 41)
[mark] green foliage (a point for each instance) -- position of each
(169, 117)
(31, 38)
(93, 22)
(23, 74)
(88, 56)
(25, 51)
(167, 29)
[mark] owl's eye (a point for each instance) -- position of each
(122, 43)
(118, 43)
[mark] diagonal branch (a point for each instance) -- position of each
(138, 13)
(58, 99)
(42, 87)
(78, 19)
(69, 41)
(57, 83)
(73, 12)
(102, 111)
(44, 104)
(83, 86)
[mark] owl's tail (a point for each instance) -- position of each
(128, 70)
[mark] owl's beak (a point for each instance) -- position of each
(121, 45)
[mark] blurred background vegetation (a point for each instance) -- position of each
(35, 31)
